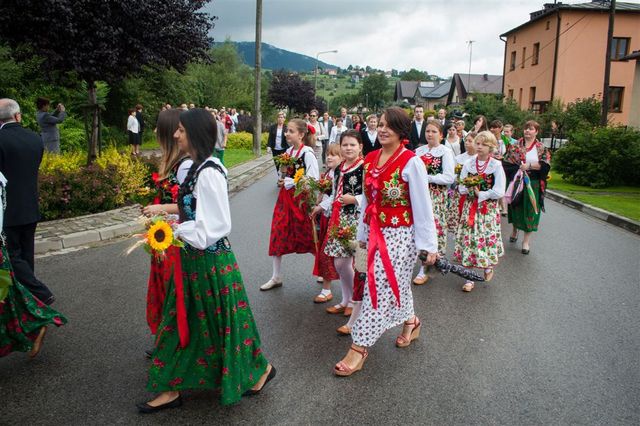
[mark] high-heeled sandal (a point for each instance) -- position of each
(403, 342)
(343, 370)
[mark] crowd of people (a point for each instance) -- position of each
(397, 187)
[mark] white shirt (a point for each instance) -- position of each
(372, 136)
(499, 182)
(3, 184)
(421, 209)
(279, 131)
(213, 216)
(310, 164)
(532, 156)
(325, 129)
(448, 175)
(455, 146)
(132, 124)
(419, 127)
(464, 157)
(336, 132)
(319, 134)
(183, 170)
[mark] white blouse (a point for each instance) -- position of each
(464, 157)
(327, 200)
(132, 124)
(455, 146)
(494, 168)
(3, 184)
(213, 216)
(422, 211)
(448, 175)
(310, 164)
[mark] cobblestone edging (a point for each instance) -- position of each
(83, 230)
(612, 218)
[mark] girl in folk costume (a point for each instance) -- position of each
(291, 228)
(396, 223)
(534, 159)
(440, 165)
(323, 267)
(23, 318)
(453, 211)
(344, 203)
(173, 168)
(478, 240)
(208, 338)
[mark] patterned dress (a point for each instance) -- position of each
(223, 350)
(453, 206)
(323, 266)
(479, 239)
(440, 166)
(22, 315)
(346, 181)
(291, 228)
(394, 195)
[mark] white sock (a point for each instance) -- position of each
(354, 313)
(325, 292)
(277, 268)
(344, 267)
(421, 272)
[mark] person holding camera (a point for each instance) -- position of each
(49, 124)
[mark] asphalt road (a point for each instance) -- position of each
(553, 339)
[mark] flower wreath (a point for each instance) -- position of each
(311, 129)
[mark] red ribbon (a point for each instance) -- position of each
(173, 260)
(484, 208)
(291, 203)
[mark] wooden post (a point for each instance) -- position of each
(257, 112)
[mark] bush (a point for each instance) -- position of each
(72, 135)
(601, 157)
(68, 188)
(244, 140)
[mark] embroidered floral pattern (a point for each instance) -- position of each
(394, 193)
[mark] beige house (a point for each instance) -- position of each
(560, 54)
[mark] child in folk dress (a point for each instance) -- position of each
(478, 239)
(453, 211)
(291, 228)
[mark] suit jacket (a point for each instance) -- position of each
(140, 119)
(48, 124)
(329, 127)
(347, 122)
(271, 141)
(367, 144)
(20, 156)
(414, 141)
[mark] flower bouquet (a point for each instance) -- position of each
(306, 190)
(145, 196)
(458, 169)
(284, 162)
(324, 186)
(472, 181)
(343, 233)
(158, 237)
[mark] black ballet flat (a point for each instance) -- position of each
(144, 408)
(513, 239)
(525, 251)
(271, 375)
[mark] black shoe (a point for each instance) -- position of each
(50, 300)
(513, 239)
(525, 251)
(271, 375)
(148, 353)
(145, 408)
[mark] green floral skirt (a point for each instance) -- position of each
(224, 345)
(523, 216)
(22, 315)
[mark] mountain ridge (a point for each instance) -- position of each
(275, 58)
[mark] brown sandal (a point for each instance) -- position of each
(402, 341)
(338, 309)
(343, 370)
(321, 298)
(344, 330)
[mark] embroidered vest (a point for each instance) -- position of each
(351, 184)
(387, 193)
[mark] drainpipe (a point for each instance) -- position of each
(504, 66)
(555, 57)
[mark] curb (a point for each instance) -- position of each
(595, 212)
(236, 184)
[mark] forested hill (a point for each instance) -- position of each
(275, 58)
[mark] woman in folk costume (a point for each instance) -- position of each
(23, 318)
(478, 240)
(440, 164)
(397, 223)
(173, 168)
(207, 338)
(323, 266)
(291, 228)
(453, 210)
(534, 159)
(344, 204)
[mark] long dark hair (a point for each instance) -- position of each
(165, 129)
(202, 133)
(398, 120)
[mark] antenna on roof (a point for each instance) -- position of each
(470, 43)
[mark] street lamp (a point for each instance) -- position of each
(315, 85)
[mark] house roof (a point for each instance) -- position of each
(479, 83)
(406, 89)
(436, 92)
(596, 6)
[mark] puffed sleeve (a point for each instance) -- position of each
(183, 170)
(497, 191)
(423, 222)
(213, 216)
(361, 234)
(463, 174)
(311, 164)
(448, 175)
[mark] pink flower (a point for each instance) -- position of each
(242, 304)
(202, 315)
(227, 330)
(158, 363)
(175, 382)
(225, 370)
(202, 361)
(194, 276)
(210, 350)
(248, 342)
(224, 291)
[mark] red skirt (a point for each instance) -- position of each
(291, 230)
(323, 266)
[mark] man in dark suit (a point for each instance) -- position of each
(442, 118)
(418, 127)
(369, 135)
(20, 156)
(277, 140)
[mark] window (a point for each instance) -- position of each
(524, 55)
(548, 24)
(510, 94)
(514, 39)
(512, 65)
(536, 54)
(619, 47)
(615, 99)
(532, 96)
(520, 98)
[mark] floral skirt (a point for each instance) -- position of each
(323, 266)
(453, 210)
(439, 201)
(224, 345)
(289, 233)
(334, 248)
(479, 245)
(372, 323)
(523, 216)
(22, 315)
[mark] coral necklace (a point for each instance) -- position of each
(480, 169)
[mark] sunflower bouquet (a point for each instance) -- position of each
(472, 181)
(306, 189)
(324, 185)
(158, 237)
(458, 169)
(285, 162)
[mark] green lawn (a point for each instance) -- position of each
(622, 200)
(232, 157)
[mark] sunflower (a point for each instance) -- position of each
(160, 236)
(298, 175)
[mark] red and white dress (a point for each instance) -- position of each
(291, 229)
(394, 196)
(323, 266)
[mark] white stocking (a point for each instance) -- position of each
(277, 268)
(344, 267)
(354, 313)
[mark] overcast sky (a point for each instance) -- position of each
(402, 34)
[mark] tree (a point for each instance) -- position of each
(106, 40)
(414, 75)
(375, 91)
(288, 90)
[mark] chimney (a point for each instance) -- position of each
(485, 77)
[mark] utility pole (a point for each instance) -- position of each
(470, 42)
(607, 66)
(257, 112)
(315, 84)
